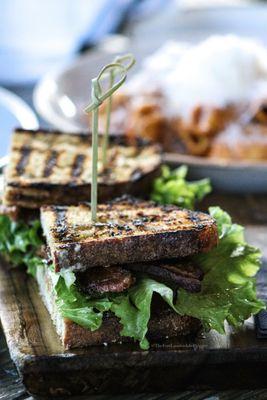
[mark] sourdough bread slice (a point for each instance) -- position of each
(127, 231)
(162, 325)
(51, 167)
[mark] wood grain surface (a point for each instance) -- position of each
(236, 360)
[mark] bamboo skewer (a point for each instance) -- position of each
(98, 97)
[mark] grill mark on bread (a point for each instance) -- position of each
(77, 167)
(25, 152)
(61, 226)
(123, 223)
(50, 163)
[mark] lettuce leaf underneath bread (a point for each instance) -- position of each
(76, 307)
(229, 287)
(19, 242)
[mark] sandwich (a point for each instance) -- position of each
(107, 260)
(144, 272)
(51, 167)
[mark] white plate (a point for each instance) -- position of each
(61, 96)
(14, 112)
(231, 177)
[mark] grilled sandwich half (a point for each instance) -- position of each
(131, 239)
(49, 167)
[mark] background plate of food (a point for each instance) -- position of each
(206, 103)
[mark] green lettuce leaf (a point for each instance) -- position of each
(172, 188)
(18, 244)
(76, 306)
(133, 309)
(228, 288)
(20, 241)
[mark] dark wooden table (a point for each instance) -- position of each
(11, 387)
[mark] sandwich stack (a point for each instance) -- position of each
(131, 239)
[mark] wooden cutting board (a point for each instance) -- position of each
(209, 361)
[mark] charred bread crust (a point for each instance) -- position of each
(143, 232)
(37, 175)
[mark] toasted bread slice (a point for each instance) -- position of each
(48, 167)
(128, 230)
(165, 323)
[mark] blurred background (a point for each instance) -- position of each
(36, 36)
(42, 39)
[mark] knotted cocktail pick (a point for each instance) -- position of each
(127, 61)
(98, 97)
